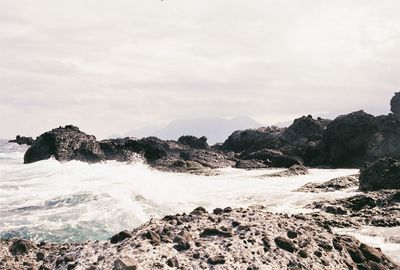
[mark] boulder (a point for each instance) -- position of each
(395, 104)
(273, 158)
(348, 138)
(292, 171)
(22, 140)
(382, 174)
(253, 139)
(65, 143)
(194, 142)
(209, 159)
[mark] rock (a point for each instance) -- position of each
(253, 139)
(370, 253)
(125, 263)
(40, 256)
(199, 211)
(119, 237)
(285, 244)
(377, 208)
(194, 142)
(347, 139)
(65, 144)
(182, 245)
(250, 164)
(22, 140)
(21, 247)
(292, 171)
(154, 237)
(395, 104)
(332, 185)
(173, 262)
(252, 246)
(273, 158)
(219, 259)
(208, 232)
(382, 174)
(218, 211)
(211, 159)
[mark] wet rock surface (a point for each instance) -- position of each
(292, 171)
(65, 143)
(380, 208)
(332, 185)
(209, 241)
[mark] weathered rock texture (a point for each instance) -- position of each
(65, 144)
(382, 174)
(380, 208)
(332, 185)
(225, 239)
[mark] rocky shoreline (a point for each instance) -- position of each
(250, 238)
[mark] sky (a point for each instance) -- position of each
(113, 66)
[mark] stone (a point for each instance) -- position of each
(395, 103)
(125, 263)
(382, 174)
(285, 244)
(194, 142)
(21, 247)
(214, 260)
(119, 237)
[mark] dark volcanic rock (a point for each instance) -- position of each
(207, 158)
(273, 158)
(379, 208)
(194, 142)
(332, 185)
(292, 171)
(382, 174)
(253, 139)
(395, 104)
(120, 237)
(348, 138)
(251, 246)
(250, 164)
(20, 247)
(22, 140)
(65, 144)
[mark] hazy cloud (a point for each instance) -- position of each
(110, 66)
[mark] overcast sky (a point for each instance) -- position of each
(113, 66)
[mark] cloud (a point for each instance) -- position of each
(109, 67)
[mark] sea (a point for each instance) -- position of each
(75, 201)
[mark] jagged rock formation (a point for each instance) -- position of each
(22, 140)
(332, 185)
(65, 144)
(194, 142)
(382, 174)
(395, 104)
(380, 208)
(292, 171)
(228, 238)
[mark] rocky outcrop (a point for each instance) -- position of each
(347, 139)
(64, 144)
(194, 142)
(380, 208)
(22, 140)
(253, 139)
(382, 174)
(250, 238)
(272, 158)
(395, 104)
(292, 171)
(332, 185)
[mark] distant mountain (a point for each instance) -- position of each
(215, 129)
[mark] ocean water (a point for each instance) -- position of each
(75, 201)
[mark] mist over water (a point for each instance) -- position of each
(76, 201)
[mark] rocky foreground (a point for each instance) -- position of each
(249, 238)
